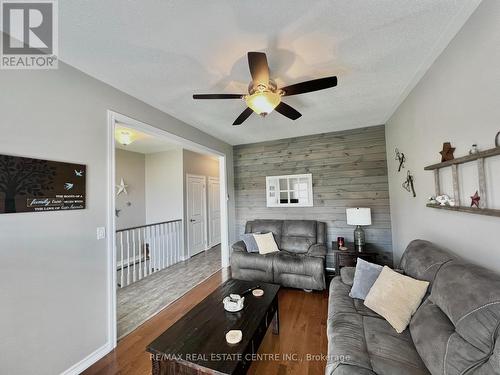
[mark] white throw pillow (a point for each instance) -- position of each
(266, 243)
(396, 297)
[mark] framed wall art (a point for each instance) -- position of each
(36, 185)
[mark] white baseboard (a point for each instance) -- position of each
(88, 361)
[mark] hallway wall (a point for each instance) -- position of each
(131, 167)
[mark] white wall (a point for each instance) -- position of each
(164, 186)
(53, 271)
(458, 100)
(130, 166)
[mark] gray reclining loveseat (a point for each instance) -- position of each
(455, 331)
(300, 263)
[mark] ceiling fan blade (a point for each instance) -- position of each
(259, 69)
(218, 96)
(309, 86)
(287, 111)
(244, 115)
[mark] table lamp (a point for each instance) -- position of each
(359, 216)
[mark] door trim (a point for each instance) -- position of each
(209, 215)
(205, 239)
(112, 118)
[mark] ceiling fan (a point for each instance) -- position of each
(264, 96)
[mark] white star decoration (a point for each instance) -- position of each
(122, 188)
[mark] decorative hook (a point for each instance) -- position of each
(408, 184)
(401, 158)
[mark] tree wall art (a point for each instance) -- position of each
(35, 185)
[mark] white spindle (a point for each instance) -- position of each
(145, 273)
(139, 252)
(128, 258)
(133, 256)
(162, 228)
(121, 257)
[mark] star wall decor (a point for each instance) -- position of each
(447, 152)
(122, 187)
(475, 200)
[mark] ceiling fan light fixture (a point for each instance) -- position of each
(263, 102)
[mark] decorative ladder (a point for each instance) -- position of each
(483, 203)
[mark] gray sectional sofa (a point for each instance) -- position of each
(455, 331)
(300, 263)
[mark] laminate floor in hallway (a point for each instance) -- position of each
(141, 300)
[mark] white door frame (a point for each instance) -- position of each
(205, 226)
(209, 215)
(113, 118)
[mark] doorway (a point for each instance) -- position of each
(196, 214)
(213, 211)
(219, 256)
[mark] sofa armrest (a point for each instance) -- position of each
(317, 250)
(239, 247)
(347, 275)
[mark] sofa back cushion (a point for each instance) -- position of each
(423, 259)
(456, 331)
(266, 226)
(298, 235)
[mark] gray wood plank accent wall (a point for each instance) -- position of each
(349, 169)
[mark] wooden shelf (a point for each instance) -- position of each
(470, 210)
(465, 159)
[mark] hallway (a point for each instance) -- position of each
(139, 301)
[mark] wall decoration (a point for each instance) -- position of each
(479, 201)
(447, 152)
(408, 184)
(443, 200)
(473, 150)
(497, 140)
(35, 185)
(475, 199)
(401, 158)
(122, 187)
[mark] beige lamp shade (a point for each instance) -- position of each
(359, 216)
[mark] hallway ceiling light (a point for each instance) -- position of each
(124, 137)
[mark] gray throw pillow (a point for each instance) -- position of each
(250, 242)
(365, 276)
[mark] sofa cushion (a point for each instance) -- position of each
(347, 275)
(266, 243)
(423, 259)
(369, 345)
(265, 226)
(365, 276)
(396, 297)
(250, 243)
(298, 235)
(463, 314)
(293, 270)
(340, 302)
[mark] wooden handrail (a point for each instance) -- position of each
(148, 225)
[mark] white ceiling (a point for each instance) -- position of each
(164, 51)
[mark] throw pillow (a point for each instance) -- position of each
(266, 243)
(364, 278)
(250, 243)
(396, 297)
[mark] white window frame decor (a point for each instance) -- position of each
(302, 192)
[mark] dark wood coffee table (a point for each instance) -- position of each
(196, 344)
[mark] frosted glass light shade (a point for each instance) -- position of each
(359, 216)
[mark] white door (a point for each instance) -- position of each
(213, 211)
(196, 214)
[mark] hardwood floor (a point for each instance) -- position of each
(302, 335)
